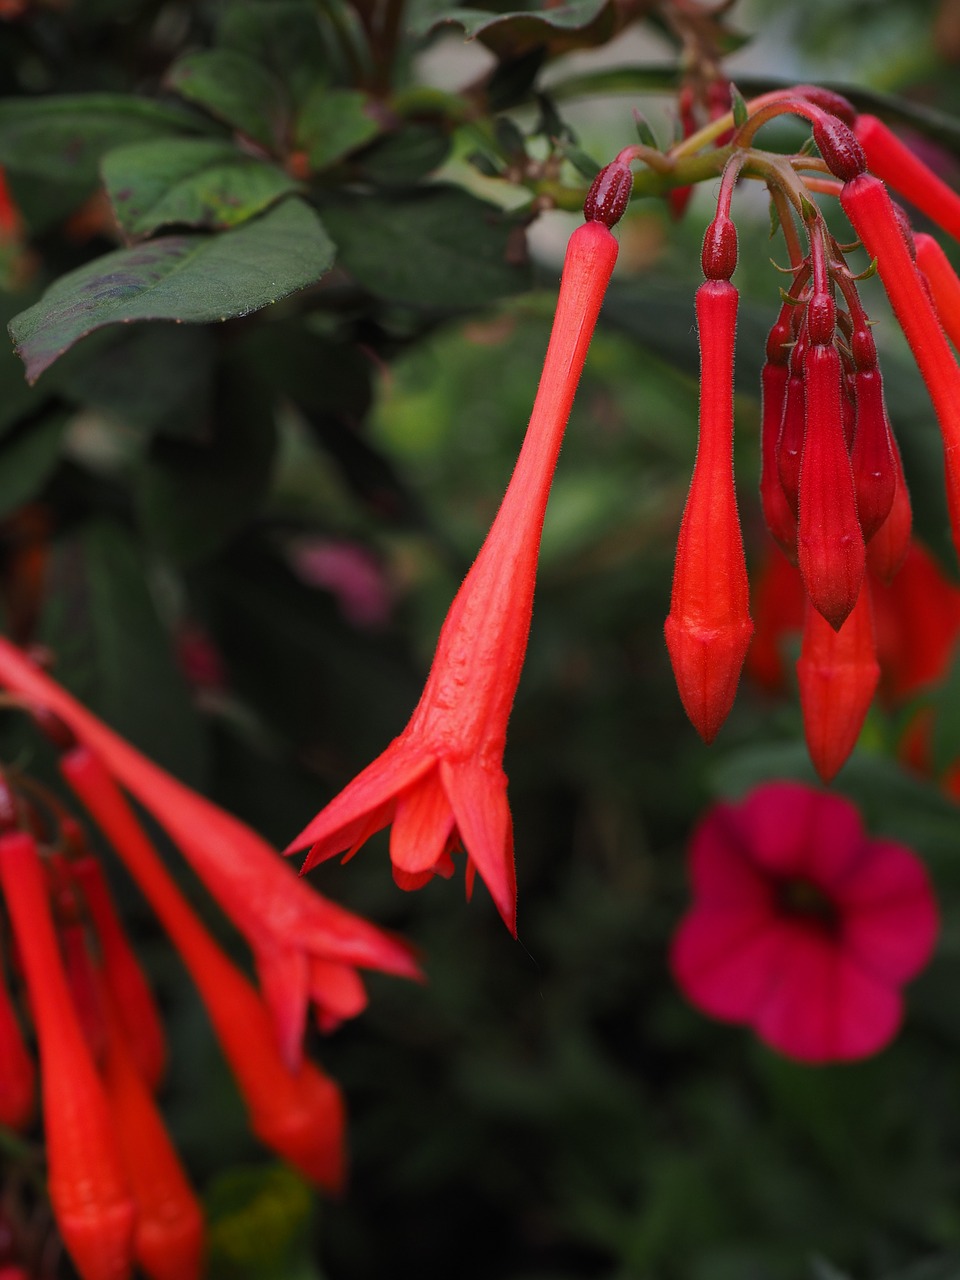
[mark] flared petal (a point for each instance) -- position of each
(824, 1007)
(337, 992)
(478, 797)
(422, 824)
(722, 870)
(794, 830)
(724, 960)
(890, 917)
(337, 825)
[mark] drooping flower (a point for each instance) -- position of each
(295, 933)
(802, 927)
(441, 783)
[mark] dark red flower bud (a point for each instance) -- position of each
(777, 512)
(719, 254)
(790, 439)
(838, 145)
(829, 543)
(874, 471)
(609, 194)
(888, 547)
(827, 100)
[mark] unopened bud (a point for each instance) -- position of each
(609, 194)
(719, 254)
(840, 148)
(834, 103)
(821, 319)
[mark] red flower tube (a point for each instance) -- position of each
(838, 674)
(287, 924)
(892, 160)
(121, 973)
(298, 1113)
(874, 219)
(88, 1186)
(708, 628)
(17, 1072)
(169, 1232)
(441, 782)
(830, 543)
(943, 282)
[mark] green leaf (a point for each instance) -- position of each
(62, 138)
(235, 89)
(282, 35)
(194, 182)
(259, 1225)
(403, 158)
(334, 122)
(187, 277)
(438, 247)
(114, 653)
(127, 377)
(28, 457)
(578, 25)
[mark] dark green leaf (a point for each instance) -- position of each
(403, 158)
(580, 24)
(62, 138)
(188, 181)
(184, 277)
(128, 377)
(738, 106)
(235, 89)
(334, 122)
(439, 247)
(259, 1223)
(194, 497)
(282, 35)
(112, 650)
(28, 456)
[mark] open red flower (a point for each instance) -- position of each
(801, 926)
(440, 784)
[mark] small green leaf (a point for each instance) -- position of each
(403, 158)
(235, 89)
(193, 182)
(259, 1222)
(188, 277)
(61, 138)
(438, 247)
(333, 123)
(738, 106)
(28, 457)
(580, 24)
(284, 36)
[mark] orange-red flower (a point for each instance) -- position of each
(441, 783)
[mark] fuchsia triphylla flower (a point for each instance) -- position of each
(306, 948)
(802, 927)
(832, 487)
(441, 784)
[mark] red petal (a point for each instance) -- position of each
(890, 917)
(824, 1007)
(724, 960)
(422, 824)
(792, 829)
(721, 867)
(478, 797)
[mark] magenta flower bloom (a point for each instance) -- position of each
(801, 926)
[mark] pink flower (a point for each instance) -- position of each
(801, 926)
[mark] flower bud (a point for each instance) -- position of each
(609, 194)
(838, 145)
(719, 254)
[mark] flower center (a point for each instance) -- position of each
(801, 898)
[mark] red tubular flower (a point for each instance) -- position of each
(872, 456)
(708, 628)
(792, 431)
(441, 782)
(121, 973)
(298, 1113)
(889, 545)
(838, 674)
(287, 924)
(893, 161)
(874, 219)
(17, 1072)
(88, 1186)
(801, 927)
(943, 281)
(169, 1233)
(830, 543)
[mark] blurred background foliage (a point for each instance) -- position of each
(239, 540)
